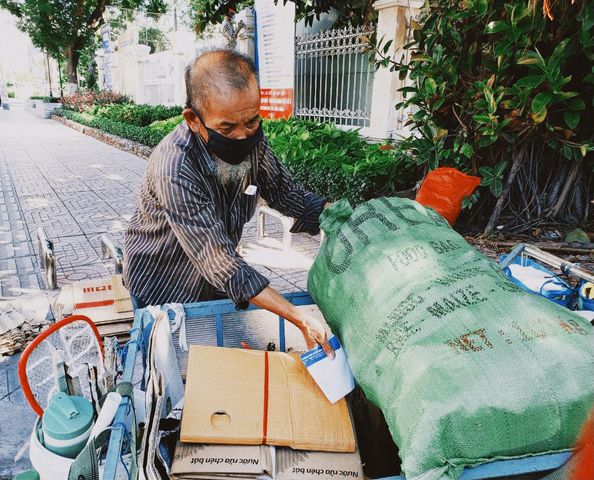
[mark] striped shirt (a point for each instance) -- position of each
(181, 242)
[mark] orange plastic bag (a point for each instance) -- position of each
(584, 456)
(444, 189)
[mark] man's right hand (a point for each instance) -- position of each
(312, 329)
(315, 334)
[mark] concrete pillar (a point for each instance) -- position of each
(245, 39)
(393, 24)
(117, 73)
(179, 96)
(99, 59)
(138, 91)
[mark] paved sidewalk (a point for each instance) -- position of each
(78, 188)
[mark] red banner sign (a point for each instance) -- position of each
(276, 103)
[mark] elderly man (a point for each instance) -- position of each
(201, 186)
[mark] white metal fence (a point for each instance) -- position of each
(334, 76)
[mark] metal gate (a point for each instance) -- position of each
(334, 76)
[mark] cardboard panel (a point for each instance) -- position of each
(225, 403)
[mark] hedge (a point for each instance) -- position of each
(140, 115)
(339, 163)
(149, 135)
(46, 99)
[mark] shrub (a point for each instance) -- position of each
(154, 38)
(166, 126)
(503, 89)
(141, 115)
(85, 101)
(145, 135)
(338, 163)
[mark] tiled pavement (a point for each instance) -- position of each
(78, 188)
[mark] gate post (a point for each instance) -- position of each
(393, 24)
(245, 39)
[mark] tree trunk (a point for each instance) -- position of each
(49, 74)
(73, 57)
(569, 184)
(519, 157)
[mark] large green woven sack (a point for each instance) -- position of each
(466, 366)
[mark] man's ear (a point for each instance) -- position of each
(195, 123)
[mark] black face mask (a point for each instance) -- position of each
(230, 150)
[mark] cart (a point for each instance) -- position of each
(218, 323)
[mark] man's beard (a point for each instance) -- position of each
(231, 175)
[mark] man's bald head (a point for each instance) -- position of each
(218, 73)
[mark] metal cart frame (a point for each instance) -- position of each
(218, 308)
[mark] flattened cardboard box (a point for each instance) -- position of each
(197, 461)
(102, 300)
(299, 465)
(228, 462)
(225, 403)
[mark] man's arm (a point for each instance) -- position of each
(203, 237)
(312, 329)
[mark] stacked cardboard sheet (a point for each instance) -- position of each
(230, 462)
(240, 403)
(21, 319)
(251, 397)
(104, 300)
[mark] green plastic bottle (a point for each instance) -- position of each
(67, 424)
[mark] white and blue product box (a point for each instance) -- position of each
(334, 377)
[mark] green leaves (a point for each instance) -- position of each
(539, 106)
(496, 27)
(541, 101)
(141, 115)
(491, 103)
(478, 6)
(466, 150)
(430, 86)
(530, 81)
(483, 119)
(572, 118)
(496, 75)
(576, 104)
(531, 58)
(418, 57)
(148, 135)
(338, 163)
(539, 116)
(492, 177)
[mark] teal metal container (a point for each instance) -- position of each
(67, 424)
(28, 475)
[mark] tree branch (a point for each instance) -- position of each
(97, 14)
